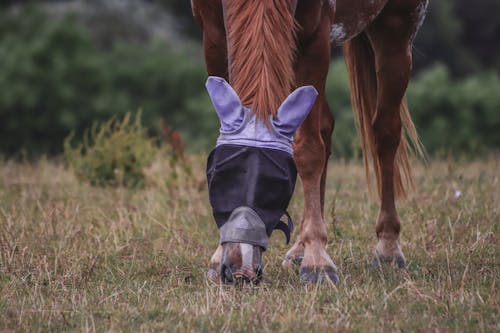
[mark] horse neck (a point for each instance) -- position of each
(261, 47)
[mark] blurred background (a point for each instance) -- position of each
(65, 64)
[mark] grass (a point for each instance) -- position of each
(76, 257)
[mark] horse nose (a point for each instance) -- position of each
(241, 264)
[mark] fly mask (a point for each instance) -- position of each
(251, 173)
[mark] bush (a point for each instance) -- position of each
(457, 116)
(56, 81)
(114, 153)
(345, 141)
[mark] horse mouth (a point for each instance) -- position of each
(241, 276)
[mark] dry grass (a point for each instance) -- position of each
(74, 257)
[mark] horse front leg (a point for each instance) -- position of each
(295, 255)
(209, 16)
(311, 152)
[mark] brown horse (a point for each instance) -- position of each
(265, 48)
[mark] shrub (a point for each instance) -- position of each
(58, 81)
(345, 141)
(114, 153)
(457, 116)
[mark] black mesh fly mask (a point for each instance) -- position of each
(251, 173)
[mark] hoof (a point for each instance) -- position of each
(315, 275)
(213, 272)
(292, 261)
(294, 256)
(378, 260)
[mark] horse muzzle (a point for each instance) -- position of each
(241, 264)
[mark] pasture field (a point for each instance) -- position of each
(80, 258)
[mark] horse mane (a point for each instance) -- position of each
(261, 48)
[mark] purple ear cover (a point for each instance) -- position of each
(294, 110)
(239, 126)
(226, 102)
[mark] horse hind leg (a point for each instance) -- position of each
(391, 38)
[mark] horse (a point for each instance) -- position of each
(265, 49)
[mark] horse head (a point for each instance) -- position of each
(251, 176)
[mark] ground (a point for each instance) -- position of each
(76, 257)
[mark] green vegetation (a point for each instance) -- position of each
(460, 34)
(452, 115)
(82, 258)
(56, 81)
(456, 115)
(61, 80)
(78, 257)
(114, 153)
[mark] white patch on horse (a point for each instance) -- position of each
(421, 12)
(338, 33)
(246, 255)
(419, 17)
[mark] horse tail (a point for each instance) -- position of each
(261, 49)
(360, 61)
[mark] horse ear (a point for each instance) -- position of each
(294, 110)
(226, 102)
